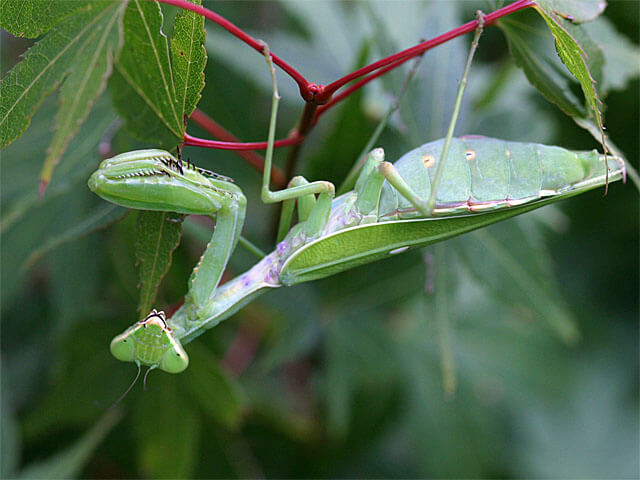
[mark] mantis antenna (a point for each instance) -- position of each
(126, 392)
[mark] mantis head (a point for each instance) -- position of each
(151, 342)
(155, 180)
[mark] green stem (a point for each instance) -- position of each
(251, 247)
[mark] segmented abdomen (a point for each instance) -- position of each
(485, 173)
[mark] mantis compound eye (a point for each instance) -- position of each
(175, 360)
(123, 348)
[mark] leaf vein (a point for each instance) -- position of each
(50, 64)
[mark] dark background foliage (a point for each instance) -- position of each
(342, 377)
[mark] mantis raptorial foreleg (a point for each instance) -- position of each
(155, 180)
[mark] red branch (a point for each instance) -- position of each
(218, 131)
(355, 86)
(318, 95)
(239, 146)
(409, 53)
(294, 139)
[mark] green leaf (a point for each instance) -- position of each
(510, 261)
(32, 18)
(189, 58)
(530, 45)
(592, 53)
(82, 46)
(218, 395)
(20, 195)
(87, 80)
(142, 85)
(576, 60)
(157, 236)
(70, 462)
(574, 10)
(167, 430)
(104, 214)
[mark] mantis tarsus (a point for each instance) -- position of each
(483, 181)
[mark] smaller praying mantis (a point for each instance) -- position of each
(434, 192)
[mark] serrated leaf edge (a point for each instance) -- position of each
(169, 91)
(54, 157)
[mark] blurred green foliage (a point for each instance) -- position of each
(448, 362)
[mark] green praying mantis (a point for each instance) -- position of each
(437, 191)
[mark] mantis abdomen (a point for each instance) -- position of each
(483, 174)
(485, 180)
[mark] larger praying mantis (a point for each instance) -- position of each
(434, 192)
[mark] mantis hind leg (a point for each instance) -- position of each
(389, 171)
(391, 174)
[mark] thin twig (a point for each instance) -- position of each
(404, 55)
(252, 158)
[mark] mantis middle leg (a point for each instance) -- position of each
(314, 213)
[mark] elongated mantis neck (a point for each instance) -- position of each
(187, 324)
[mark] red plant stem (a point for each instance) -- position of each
(319, 95)
(307, 89)
(239, 146)
(355, 86)
(218, 131)
(409, 53)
